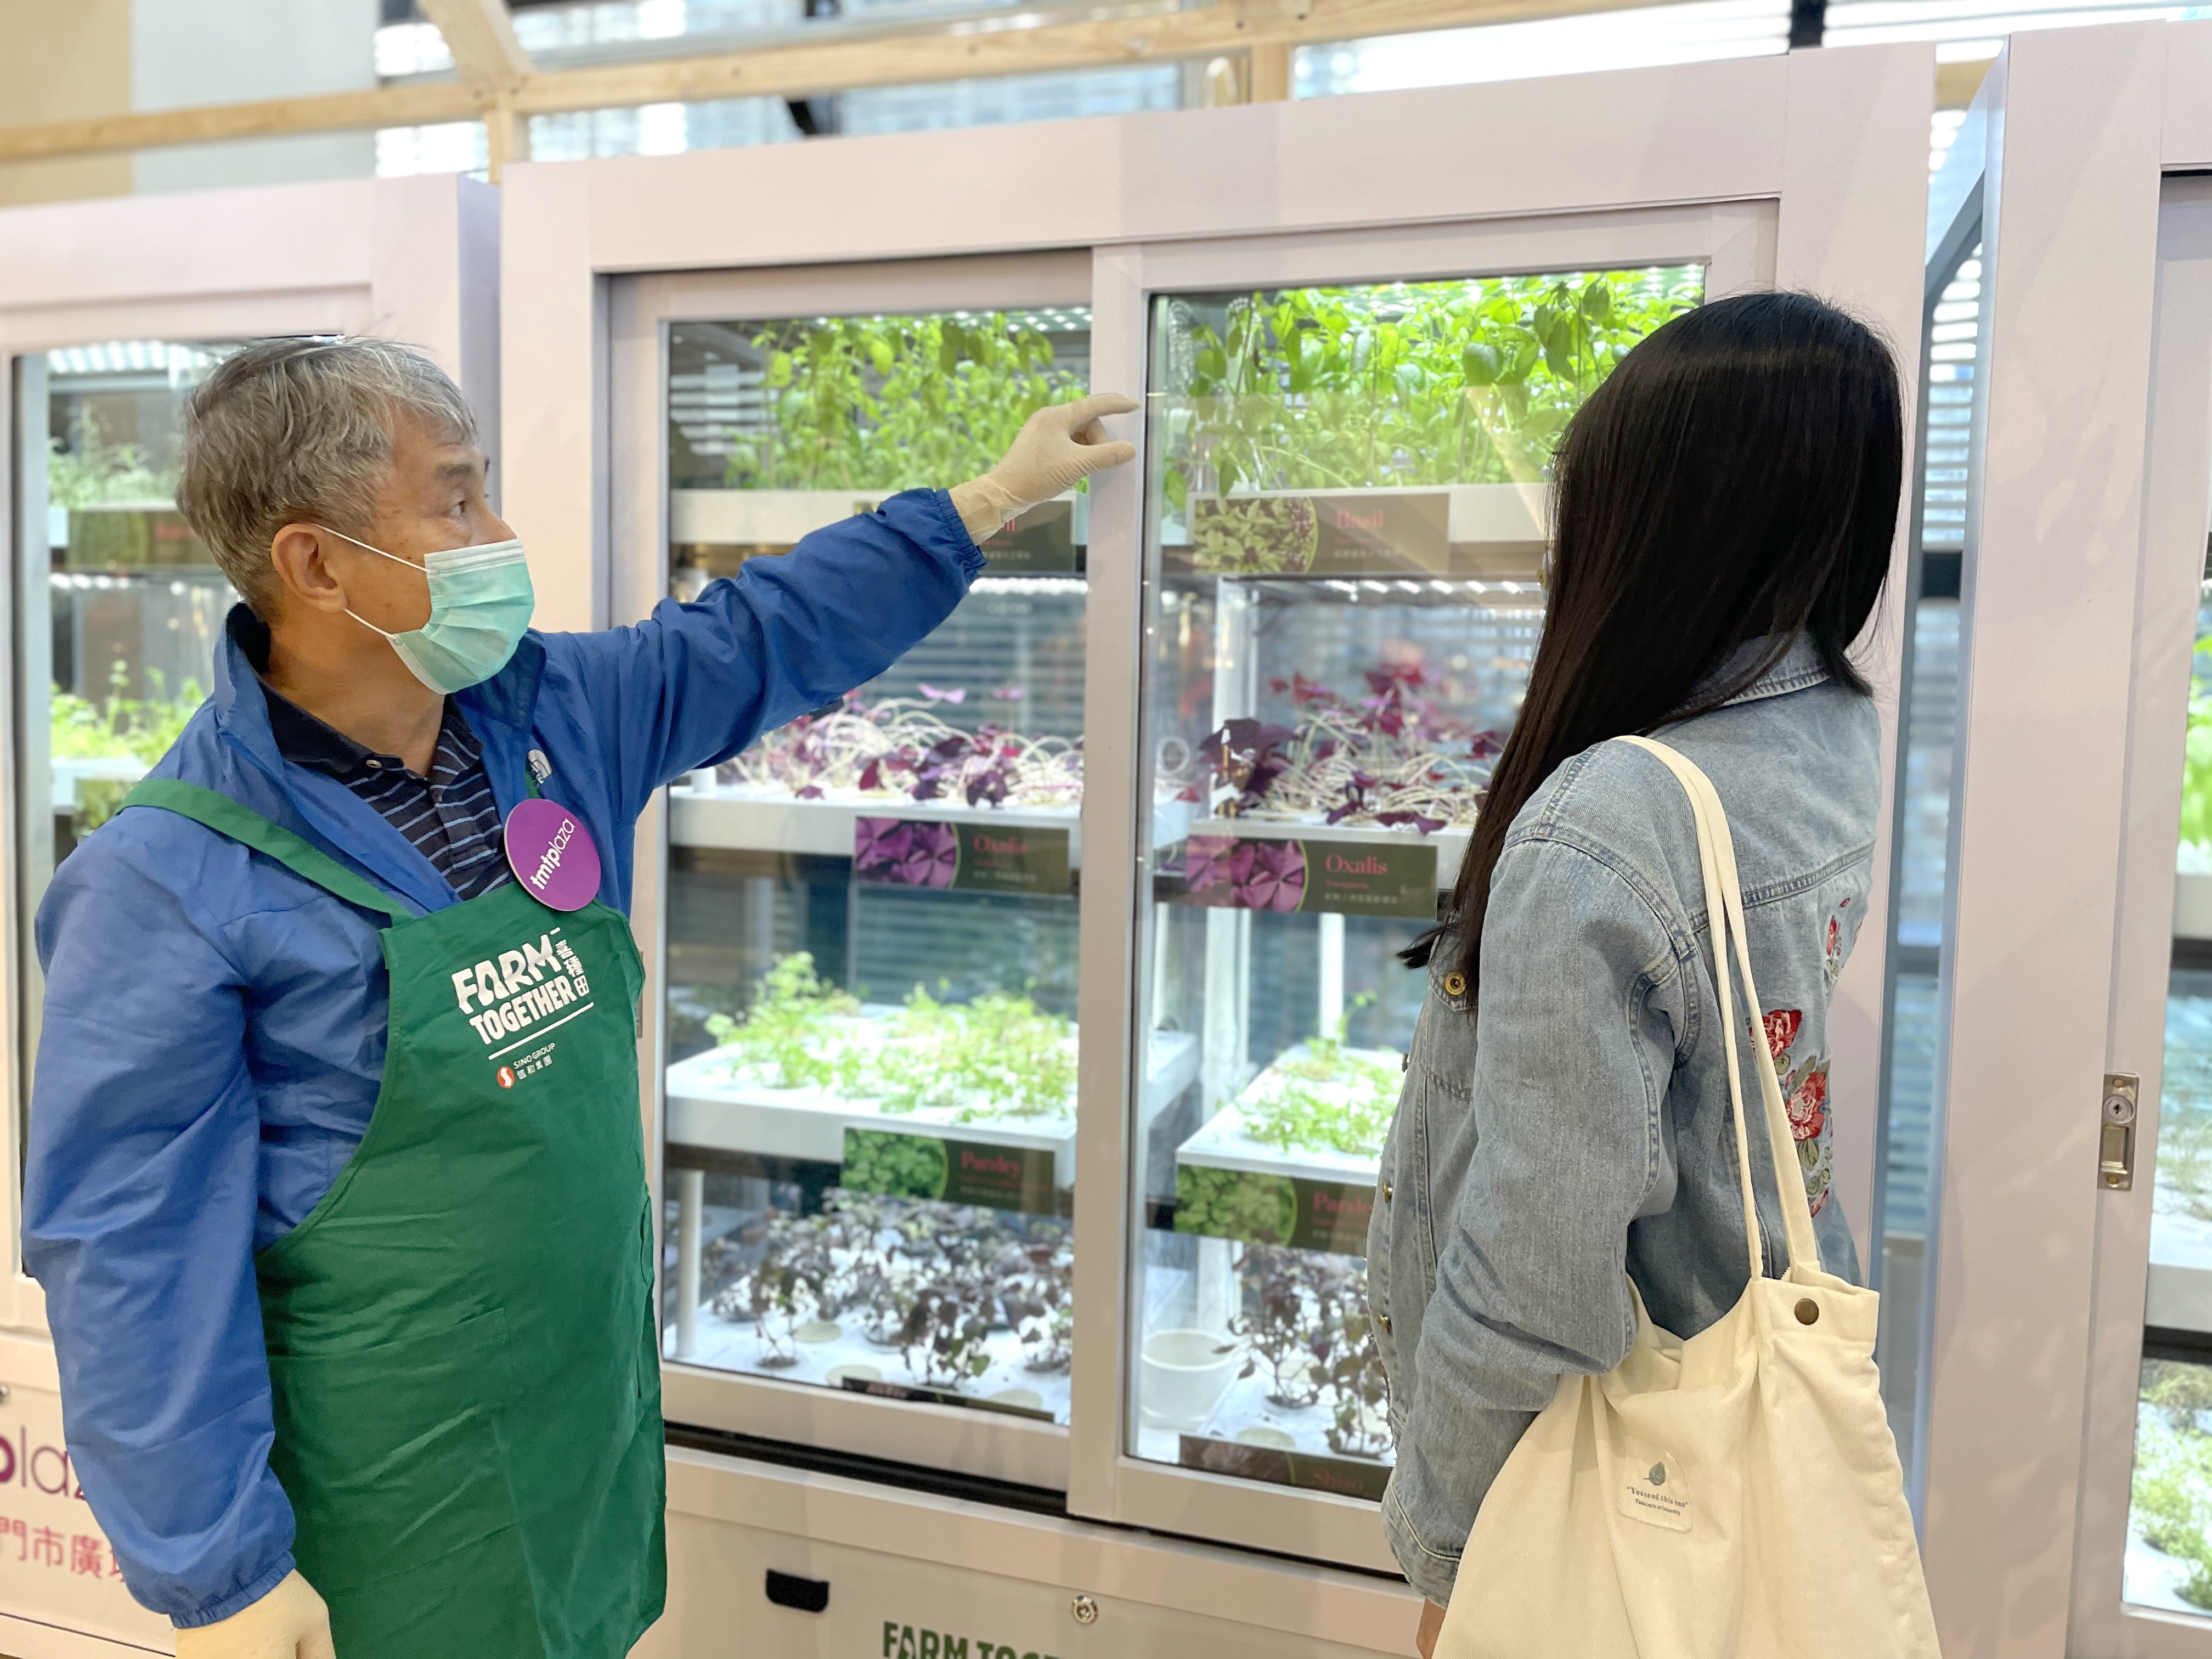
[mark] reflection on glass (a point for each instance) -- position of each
(870, 1121)
(123, 603)
(1348, 521)
(2169, 1556)
(1909, 1133)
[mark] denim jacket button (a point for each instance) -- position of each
(1383, 1319)
(1455, 985)
(1386, 1190)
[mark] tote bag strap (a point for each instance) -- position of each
(1724, 908)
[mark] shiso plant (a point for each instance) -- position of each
(1282, 1324)
(1304, 1321)
(1359, 1392)
(932, 1281)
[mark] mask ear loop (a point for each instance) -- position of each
(381, 554)
(366, 548)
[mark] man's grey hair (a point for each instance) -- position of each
(301, 431)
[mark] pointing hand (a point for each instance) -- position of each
(1057, 445)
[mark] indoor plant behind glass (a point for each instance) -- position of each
(893, 403)
(1401, 384)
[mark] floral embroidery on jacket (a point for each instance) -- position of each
(1837, 945)
(1804, 1092)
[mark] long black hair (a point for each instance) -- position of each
(1734, 479)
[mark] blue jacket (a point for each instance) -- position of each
(1565, 1125)
(214, 1029)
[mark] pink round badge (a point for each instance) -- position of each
(551, 854)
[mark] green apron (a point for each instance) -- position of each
(461, 1335)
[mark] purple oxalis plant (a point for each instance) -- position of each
(1234, 872)
(1248, 756)
(905, 853)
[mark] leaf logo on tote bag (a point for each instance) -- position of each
(1651, 1492)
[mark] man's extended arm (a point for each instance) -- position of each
(694, 684)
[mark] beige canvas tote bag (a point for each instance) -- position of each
(1737, 1496)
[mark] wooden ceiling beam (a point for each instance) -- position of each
(805, 68)
(480, 34)
(386, 106)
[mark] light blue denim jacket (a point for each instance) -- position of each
(1575, 1132)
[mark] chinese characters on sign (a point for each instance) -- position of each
(82, 1553)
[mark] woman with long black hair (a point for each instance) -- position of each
(1724, 510)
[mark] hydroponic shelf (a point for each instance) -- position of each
(711, 1111)
(774, 821)
(1225, 1142)
(1249, 1434)
(828, 1355)
(1466, 530)
(1231, 1184)
(1043, 540)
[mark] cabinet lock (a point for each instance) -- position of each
(2116, 1133)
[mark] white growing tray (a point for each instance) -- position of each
(708, 1108)
(1223, 1143)
(774, 821)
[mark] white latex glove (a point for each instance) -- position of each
(1055, 447)
(290, 1622)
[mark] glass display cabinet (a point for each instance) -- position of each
(870, 1085)
(1346, 521)
(126, 598)
(868, 1047)
(2073, 1011)
(1024, 1026)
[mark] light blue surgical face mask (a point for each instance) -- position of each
(480, 604)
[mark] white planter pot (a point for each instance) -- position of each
(1183, 1378)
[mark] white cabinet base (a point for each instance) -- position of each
(915, 1576)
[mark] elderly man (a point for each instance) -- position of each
(336, 1184)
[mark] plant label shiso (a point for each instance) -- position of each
(1352, 1478)
(1042, 539)
(1350, 877)
(973, 858)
